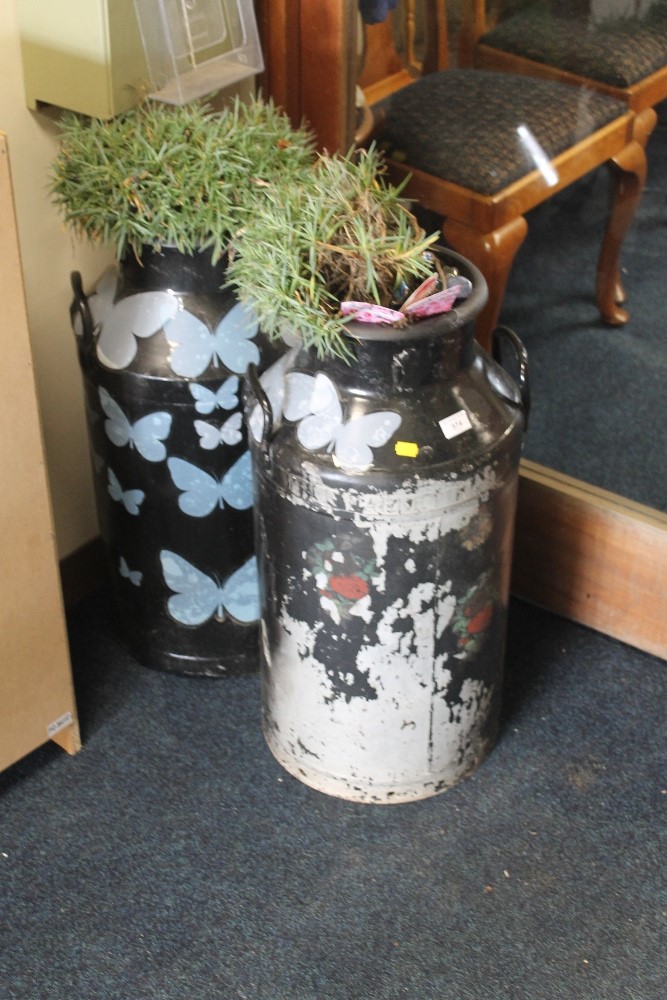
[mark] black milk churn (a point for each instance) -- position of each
(163, 351)
(385, 504)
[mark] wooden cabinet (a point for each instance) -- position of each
(36, 692)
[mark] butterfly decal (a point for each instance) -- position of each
(273, 383)
(146, 434)
(120, 324)
(100, 302)
(133, 575)
(194, 347)
(314, 403)
(202, 492)
(211, 436)
(97, 460)
(225, 397)
(130, 499)
(198, 597)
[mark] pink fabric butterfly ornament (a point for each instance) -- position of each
(425, 301)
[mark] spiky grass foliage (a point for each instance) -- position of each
(186, 177)
(343, 235)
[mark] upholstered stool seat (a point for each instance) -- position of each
(461, 125)
(618, 52)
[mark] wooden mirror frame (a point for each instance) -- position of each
(581, 552)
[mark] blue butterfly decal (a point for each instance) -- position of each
(146, 434)
(211, 436)
(133, 575)
(194, 347)
(225, 396)
(198, 597)
(130, 499)
(203, 492)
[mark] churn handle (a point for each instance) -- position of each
(522, 361)
(80, 308)
(258, 392)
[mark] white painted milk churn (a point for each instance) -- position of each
(385, 500)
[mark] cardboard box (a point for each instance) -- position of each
(36, 691)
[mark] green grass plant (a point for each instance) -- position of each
(187, 177)
(344, 234)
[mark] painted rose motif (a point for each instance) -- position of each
(342, 577)
(352, 588)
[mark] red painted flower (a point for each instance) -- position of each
(353, 588)
(481, 620)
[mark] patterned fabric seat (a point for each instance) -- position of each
(461, 125)
(619, 52)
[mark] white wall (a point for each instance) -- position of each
(48, 256)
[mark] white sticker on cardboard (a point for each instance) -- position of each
(58, 724)
(457, 423)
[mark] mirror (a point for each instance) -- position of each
(591, 534)
(600, 405)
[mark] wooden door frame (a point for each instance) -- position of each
(311, 64)
(592, 556)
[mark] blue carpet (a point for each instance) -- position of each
(174, 859)
(600, 404)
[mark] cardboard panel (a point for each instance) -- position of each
(36, 693)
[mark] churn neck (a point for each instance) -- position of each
(168, 268)
(429, 350)
(404, 363)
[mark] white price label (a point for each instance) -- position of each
(455, 424)
(58, 724)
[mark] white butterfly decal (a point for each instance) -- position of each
(146, 434)
(130, 499)
(139, 315)
(273, 383)
(100, 302)
(198, 597)
(211, 436)
(133, 575)
(204, 492)
(98, 461)
(314, 402)
(194, 347)
(225, 396)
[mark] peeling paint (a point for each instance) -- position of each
(380, 724)
(414, 497)
(385, 597)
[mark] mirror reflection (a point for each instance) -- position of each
(528, 126)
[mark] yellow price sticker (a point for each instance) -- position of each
(407, 449)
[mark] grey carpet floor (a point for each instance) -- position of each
(173, 858)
